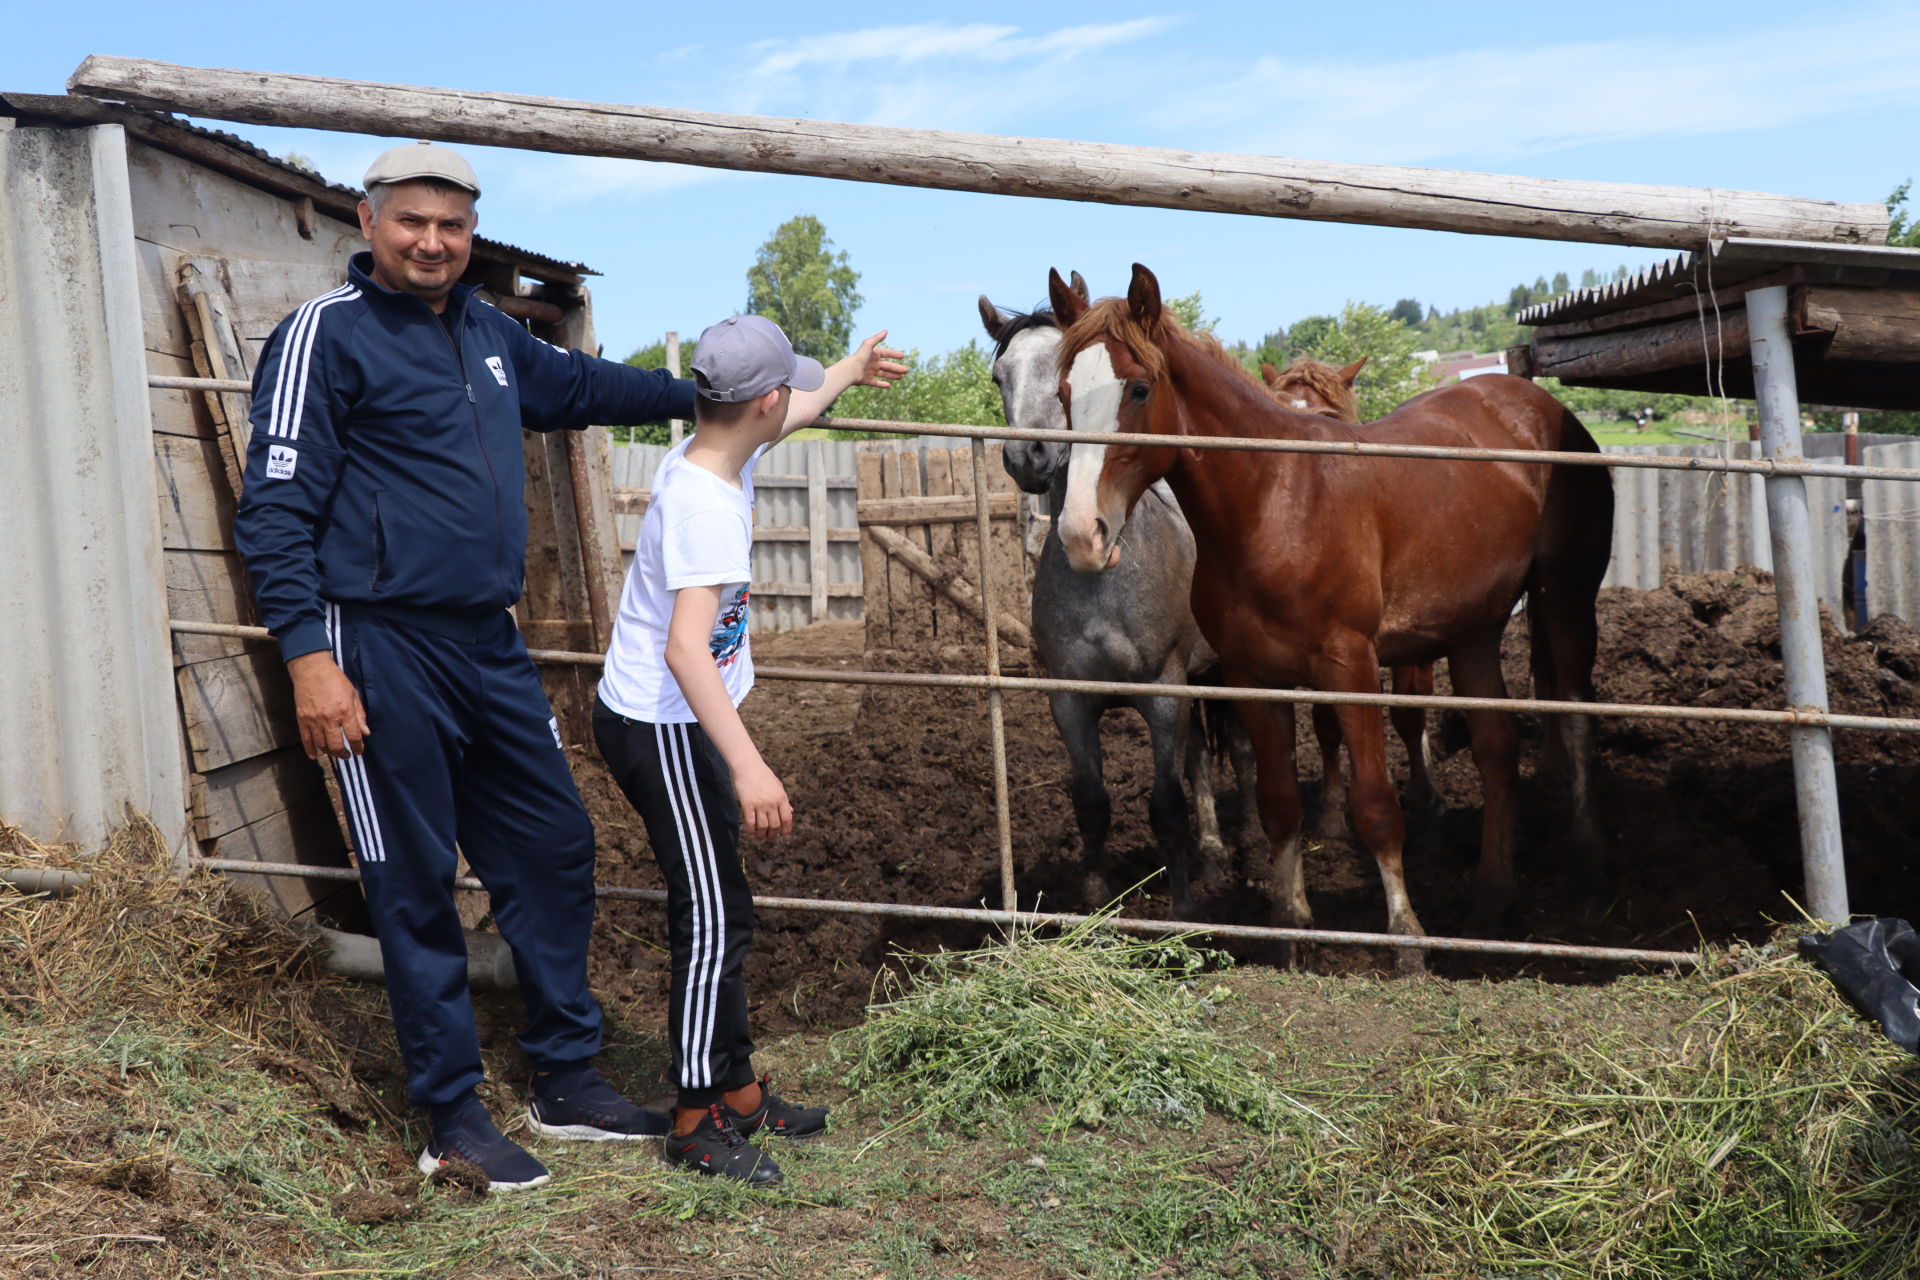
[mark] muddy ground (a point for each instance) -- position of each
(893, 801)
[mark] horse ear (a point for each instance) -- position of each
(1143, 298)
(1068, 306)
(1079, 283)
(990, 317)
(1352, 371)
(1269, 375)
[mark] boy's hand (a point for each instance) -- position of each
(875, 365)
(764, 810)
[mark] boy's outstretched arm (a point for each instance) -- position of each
(764, 809)
(870, 365)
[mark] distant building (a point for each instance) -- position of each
(1457, 366)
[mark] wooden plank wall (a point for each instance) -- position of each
(254, 795)
(927, 497)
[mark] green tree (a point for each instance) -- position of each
(1408, 311)
(1391, 375)
(1903, 229)
(799, 283)
(654, 356)
(1191, 313)
(955, 387)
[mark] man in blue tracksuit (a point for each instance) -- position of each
(384, 528)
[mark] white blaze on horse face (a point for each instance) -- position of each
(1093, 390)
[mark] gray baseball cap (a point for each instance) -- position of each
(422, 160)
(744, 357)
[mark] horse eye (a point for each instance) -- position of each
(1137, 393)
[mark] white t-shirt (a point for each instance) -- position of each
(698, 532)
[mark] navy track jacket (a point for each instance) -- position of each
(385, 466)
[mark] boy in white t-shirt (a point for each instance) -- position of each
(668, 726)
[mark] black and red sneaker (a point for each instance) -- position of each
(776, 1117)
(717, 1149)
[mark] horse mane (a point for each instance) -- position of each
(1113, 318)
(1018, 322)
(1324, 379)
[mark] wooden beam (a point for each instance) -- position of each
(1383, 195)
(947, 583)
(950, 509)
(1677, 344)
(1878, 325)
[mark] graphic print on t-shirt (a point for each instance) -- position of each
(730, 629)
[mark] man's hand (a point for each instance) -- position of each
(764, 810)
(875, 365)
(332, 721)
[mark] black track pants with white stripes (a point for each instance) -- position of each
(683, 790)
(465, 757)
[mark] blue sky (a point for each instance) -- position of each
(1761, 96)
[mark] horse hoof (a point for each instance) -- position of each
(1409, 962)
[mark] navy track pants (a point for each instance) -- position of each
(683, 790)
(463, 750)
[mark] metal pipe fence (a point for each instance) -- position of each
(995, 683)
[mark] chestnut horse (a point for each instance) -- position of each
(1314, 386)
(1314, 570)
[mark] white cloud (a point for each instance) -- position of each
(1512, 102)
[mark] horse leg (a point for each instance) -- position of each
(1332, 820)
(1167, 805)
(1246, 775)
(1571, 637)
(1077, 717)
(1270, 727)
(1496, 751)
(1199, 769)
(1411, 724)
(1372, 804)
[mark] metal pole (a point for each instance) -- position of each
(1343, 448)
(996, 715)
(1815, 790)
(1029, 919)
(1122, 688)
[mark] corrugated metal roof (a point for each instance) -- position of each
(88, 715)
(1730, 262)
(73, 110)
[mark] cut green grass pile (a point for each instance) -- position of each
(1088, 1023)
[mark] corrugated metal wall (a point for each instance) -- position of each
(1687, 522)
(1891, 510)
(88, 720)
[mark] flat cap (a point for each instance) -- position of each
(422, 160)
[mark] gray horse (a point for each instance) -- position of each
(1131, 623)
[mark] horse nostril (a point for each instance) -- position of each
(1100, 527)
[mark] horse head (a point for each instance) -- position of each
(1113, 378)
(1025, 351)
(1314, 386)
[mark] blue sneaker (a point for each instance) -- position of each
(468, 1136)
(579, 1105)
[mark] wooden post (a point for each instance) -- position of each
(870, 483)
(1380, 195)
(675, 426)
(819, 567)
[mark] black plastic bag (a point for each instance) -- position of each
(1876, 966)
